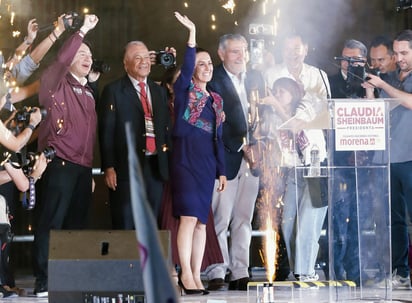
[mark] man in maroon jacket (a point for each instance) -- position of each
(65, 192)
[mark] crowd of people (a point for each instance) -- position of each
(198, 141)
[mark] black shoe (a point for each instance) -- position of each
(239, 284)
(40, 289)
(185, 290)
(216, 284)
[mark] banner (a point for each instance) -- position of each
(158, 285)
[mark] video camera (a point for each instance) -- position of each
(358, 69)
(165, 59)
(358, 73)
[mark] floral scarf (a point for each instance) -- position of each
(197, 101)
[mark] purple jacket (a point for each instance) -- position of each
(70, 124)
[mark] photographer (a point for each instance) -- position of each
(398, 85)
(345, 211)
(7, 139)
(345, 83)
(9, 173)
(11, 177)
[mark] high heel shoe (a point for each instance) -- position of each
(186, 290)
(205, 292)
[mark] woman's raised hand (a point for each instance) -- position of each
(185, 21)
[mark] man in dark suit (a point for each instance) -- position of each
(136, 99)
(233, 209)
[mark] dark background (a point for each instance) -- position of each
(325, 24)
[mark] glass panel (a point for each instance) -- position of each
(341, 183)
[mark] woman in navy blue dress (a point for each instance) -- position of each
(197, 157)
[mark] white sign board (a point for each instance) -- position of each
(359, 125)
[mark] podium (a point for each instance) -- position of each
(349, 198)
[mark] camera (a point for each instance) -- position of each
(165, 58)
(21, 119)
(358, 73)
(27, 163)
(261, 29)
(25, 160)
(257, 47)
(358, 69)
(77, 21)
(100, 66)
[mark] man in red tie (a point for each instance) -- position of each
(139, 100)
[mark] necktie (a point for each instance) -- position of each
(150, 137)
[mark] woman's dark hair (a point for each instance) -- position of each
(201, 50)
(292, 87)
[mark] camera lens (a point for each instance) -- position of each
(164, 58)
(49, 153)
(167, 59)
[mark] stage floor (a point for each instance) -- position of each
(283, 294)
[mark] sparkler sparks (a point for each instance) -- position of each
(229, 6)
(270, 250)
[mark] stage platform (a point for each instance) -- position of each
(286, 293)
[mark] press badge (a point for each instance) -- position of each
(149, 126)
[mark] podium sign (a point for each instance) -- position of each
(359, 125)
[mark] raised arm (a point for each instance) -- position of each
(32, 29)
(188, 65)
(44, 46)
(54, 74)
(190, 26)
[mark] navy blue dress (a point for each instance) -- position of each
(198, 155)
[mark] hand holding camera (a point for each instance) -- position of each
(372, 81)
(32, 29)
(166, 58)
(25, 117)
(34, 164)
(35, 116)
(39, 166)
